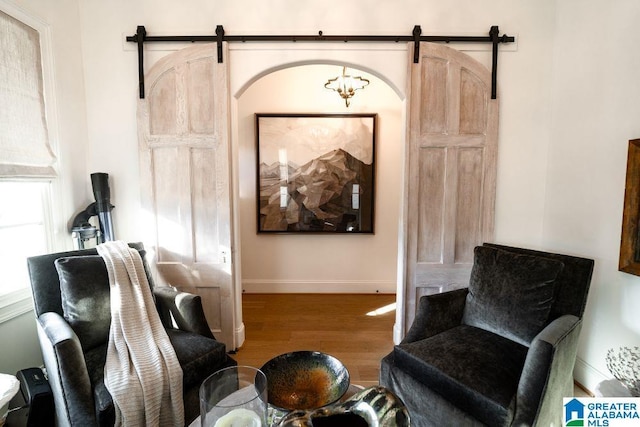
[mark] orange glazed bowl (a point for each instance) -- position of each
(305, 380)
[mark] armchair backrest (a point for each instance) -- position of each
(572, 283)
(45, 284)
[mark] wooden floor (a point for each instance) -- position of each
(333, 324)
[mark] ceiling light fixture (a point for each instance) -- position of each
(346, 85)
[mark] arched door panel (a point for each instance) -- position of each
(184, 158)
(450, 171)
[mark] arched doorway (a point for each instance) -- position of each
(320, 263)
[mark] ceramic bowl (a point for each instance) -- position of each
(304, 380)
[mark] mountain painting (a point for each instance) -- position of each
(315, 173)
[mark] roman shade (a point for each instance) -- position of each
(24, 138)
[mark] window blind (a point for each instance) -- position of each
(24, 141)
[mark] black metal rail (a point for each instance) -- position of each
(494, 37)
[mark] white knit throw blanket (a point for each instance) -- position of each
(142, 372)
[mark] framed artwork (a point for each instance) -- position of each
(315, 173)
(629, 260)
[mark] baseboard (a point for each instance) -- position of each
(252, 286)
(239, 336)
(397, 333)
(588, 376)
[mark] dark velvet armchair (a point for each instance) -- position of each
(500, 352)
(72, 306)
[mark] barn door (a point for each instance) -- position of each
(184, 155)
(451, 173)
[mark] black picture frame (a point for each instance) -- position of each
(315, 173)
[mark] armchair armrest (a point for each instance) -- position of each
(548, 372)
(437, 313)
(66, 370)
(184, 308)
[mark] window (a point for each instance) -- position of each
(23, 230)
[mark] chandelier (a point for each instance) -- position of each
(346, 85)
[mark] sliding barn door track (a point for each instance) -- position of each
(494, 37)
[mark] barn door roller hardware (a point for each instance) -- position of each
(494, 37)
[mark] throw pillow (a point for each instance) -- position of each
(86, 298)
(510, 294)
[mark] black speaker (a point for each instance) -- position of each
(100, 184)
(37, 396)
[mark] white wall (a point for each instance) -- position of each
(20, 346)
(596, 111)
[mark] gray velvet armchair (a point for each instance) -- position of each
(500, 352)
(72, 306)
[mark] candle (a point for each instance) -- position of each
(239, 418)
